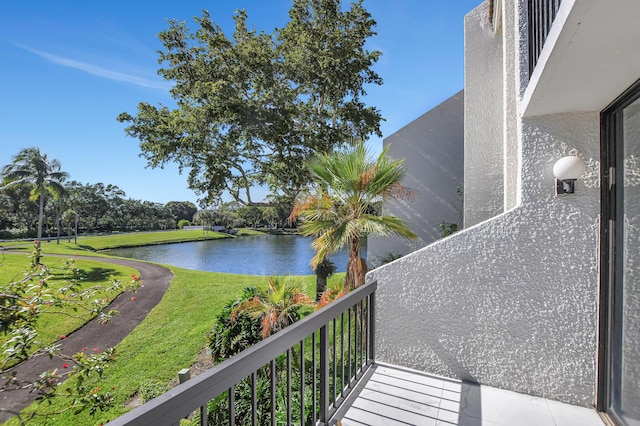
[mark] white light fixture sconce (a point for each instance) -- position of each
(567, 170)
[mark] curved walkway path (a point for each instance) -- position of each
(93, 334)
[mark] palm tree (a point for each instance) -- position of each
(351, 183)
(32, 168)
(277, 306)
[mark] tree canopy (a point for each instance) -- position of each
(252, 107)
(181, 210)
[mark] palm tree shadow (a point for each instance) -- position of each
(96, 274)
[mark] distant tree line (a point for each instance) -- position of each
(271, 214)
(36, 194)
(93, 208)
(37, 200)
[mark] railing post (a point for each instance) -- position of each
(363, 337)
(372, 327)
(334, 395)
(342, 354)
(350, 328)
(254, 399)
(289, 386)
(541, 14)
(232, 406)
(302, 368)
(324, 374)
(273, 392)
(204, 421)
(313, 379)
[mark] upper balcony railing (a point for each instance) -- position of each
(541, 16)
(300, 375)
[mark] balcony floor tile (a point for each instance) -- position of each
(397, 396)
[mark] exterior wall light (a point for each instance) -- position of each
(567, 170)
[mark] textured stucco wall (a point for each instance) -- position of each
(432, 149)
(483, 119)
(510, 100)
(512, 301)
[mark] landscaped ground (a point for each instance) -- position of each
(169, 339)
(132, 239)
(52, 326)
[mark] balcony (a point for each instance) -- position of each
(319, 360)
(541, 13)
(582, 54)
(334, 349)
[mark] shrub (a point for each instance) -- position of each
(240, 324)
(14, 234)
(153, 388)
(183, 222)
(230, 337)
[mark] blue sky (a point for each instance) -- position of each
(68, 68)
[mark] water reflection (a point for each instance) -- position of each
(262, 255)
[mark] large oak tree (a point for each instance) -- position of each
(252, 107)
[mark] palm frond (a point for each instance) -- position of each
(277, 306)
(386, 226)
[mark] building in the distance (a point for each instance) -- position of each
(432, 148)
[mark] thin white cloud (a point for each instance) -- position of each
(99, 71)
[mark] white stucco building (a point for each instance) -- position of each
(540, 293)
(432, 148)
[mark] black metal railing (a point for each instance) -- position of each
(300, 375)
(541, 16)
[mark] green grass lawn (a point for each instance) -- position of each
(146, 238)
(132, 239)
(169, 339)
(52, 325)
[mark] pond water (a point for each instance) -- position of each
(259, 255)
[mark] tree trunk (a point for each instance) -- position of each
(75, 232)
(321, 283)
(356, 267)
(356, 271)
(41, 214)
(58, 228)
(324, 270)
(40, 217)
